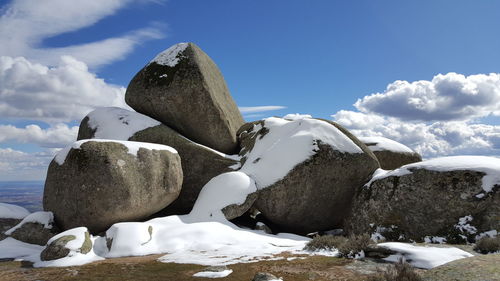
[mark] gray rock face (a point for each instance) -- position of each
(390, 160)
(391, 154)
(426, 203)
(6, 224)
(199, 163)
(234, 210)
(316, 194)
(184, 89)
(34, 233)
(101, 183)
(263, 276)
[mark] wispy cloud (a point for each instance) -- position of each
(264, 108)
(24, 24)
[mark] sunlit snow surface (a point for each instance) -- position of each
(385, 144)
(423, 256)
(170, 57)
(9, 211)
(289, 143)
(118, 123)
(132, 146)
(44, 218)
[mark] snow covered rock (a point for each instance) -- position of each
(199, 163)
(72, 241)
(36, 228)
(96, 183)
(10, 215)
(9, 211)
(423, 256)
(183, 88)
(450, 199)
(390, 154)
(306, 170)
(229, 194)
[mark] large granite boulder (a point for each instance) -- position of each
(96, 183)
(452, 199)
(183, 88)
(306, 170)
(391, 154)
(36, 228)
(199, 163)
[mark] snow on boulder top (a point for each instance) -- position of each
(221, 191)
(289, 143)
(384, 144)
(423, 257)
(132, 146)
(171, 56)
(296, 116)
(118, 123)
(488, 165)
(9, 211)
(45, 218)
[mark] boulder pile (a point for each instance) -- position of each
(186, 143)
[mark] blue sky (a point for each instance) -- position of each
(330, 59)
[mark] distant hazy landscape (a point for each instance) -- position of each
(23, 193)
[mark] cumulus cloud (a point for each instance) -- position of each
(432, 139)
(16, 165)
(58, 94)
(446, 97)
(24, 24)
(57, 136)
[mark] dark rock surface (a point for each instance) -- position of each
(426, 203)
(191, 97)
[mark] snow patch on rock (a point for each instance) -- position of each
(423, 256)
(171, 56)
(132, 146)
(488, 165)
(118, 123)
(235, 186)
(44, 218)
(75, 257)
(9, 211)
(385, 144)
(289, 143)
(213, 274)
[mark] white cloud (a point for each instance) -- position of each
(264, 108)
(429, 139)
(24, 24)
(446, 97)
(19, 165)
(57, 136)
(62, 93)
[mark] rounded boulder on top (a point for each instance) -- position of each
(184, 89)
